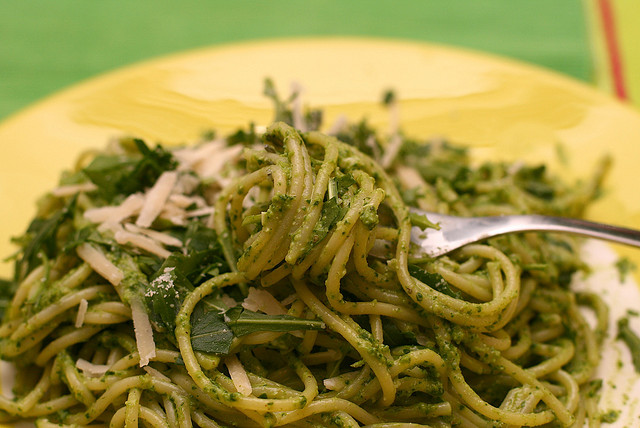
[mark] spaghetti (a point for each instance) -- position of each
(226, 284)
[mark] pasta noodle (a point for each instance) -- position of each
(281, 288)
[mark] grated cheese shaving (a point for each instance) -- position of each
(73, 189)
(82, 311)
(99, 263)
(332, 383)
(8, 374)
(156, 198)
(186, 184)
(117, 213)
(174, 214)
(228, 300)
(338, 125)
(262, 300)
(109, 226)
(395, 141)
(409, 177)
(163, 238)
(296, 107)
(213, 165)
(238, 375)
(143, 333)
(189, 157)
(123, 237)
(391, 151)
(200, 212)
(184, 201)
(90, 369)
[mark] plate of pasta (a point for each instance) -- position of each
(222, 238)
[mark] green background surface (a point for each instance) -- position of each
(48, 45)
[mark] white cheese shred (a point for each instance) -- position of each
(163, 238)
(409, 177)
(262, 300)
(296, 107)
(211, 166)
(90, 369)
(82, 311)
(73, 189)
(116, 213)
(332, 383)
(123, 237)
(190, 157)
(238, 375)
(156, 197)
(338, 125)
(391, 151)
(200, 212)
(183, 201)
(143, 333)
(99, 263)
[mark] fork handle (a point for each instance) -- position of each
(591, 229)
(456, 232)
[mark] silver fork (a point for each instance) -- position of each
(457, 231)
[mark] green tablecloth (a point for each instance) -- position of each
(47, 45)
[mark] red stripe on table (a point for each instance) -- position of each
(615, 59)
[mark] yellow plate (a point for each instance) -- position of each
(502, 109)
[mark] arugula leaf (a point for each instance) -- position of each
(86, 234)
(214, 326)
(123, 175)
(7, 290)
(204, 256)
(534, 181)
(180, 272)
(165, 294)
(243, 322)
(209, 332)
(433, 280)
(108, 172)
(41, 237)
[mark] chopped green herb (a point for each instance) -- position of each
(625, 267)
(422, 221)
(610, 417)
(628, 336)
